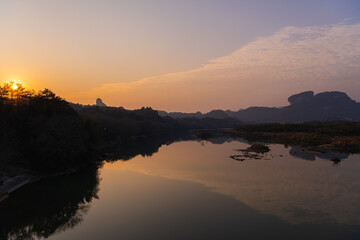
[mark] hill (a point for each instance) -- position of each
(303, 107)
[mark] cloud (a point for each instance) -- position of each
(263, 72)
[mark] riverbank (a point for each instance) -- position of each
(19, 177)
(310, 141)
(318, 137)
(13, 177)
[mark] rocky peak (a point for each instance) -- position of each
(301, 97)
(333, 97)
(100, 103)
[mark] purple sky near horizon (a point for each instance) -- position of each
(181, 55)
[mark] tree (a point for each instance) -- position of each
(15, 93)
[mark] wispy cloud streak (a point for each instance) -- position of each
(263, 72)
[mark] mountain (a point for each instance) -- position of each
(217, 114)
(305, 106)
(100, 103)
(180, 114)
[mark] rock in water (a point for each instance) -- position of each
(100, 103)
(259, 148)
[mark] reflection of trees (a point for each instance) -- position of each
(49, 206)
(145, 146)
(59, 203)
(226, 139)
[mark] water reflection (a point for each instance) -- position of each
(192, 190)
(138, 206)
(144, 146)
(54, 205)
(49, 206)
(297, 151)
(295, 190)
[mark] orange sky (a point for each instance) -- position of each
(181, 56)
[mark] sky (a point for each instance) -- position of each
(181, 55)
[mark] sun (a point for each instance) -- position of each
(14, 86)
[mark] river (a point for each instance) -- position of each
(193, 190)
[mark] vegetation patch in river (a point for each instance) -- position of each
(256, 151)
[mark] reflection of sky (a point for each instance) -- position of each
(293, 189)
(133, 205)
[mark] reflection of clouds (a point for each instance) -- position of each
(296, 190)
(293, 59)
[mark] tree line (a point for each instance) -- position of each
(42, 131)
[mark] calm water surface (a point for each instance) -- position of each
(194, 190)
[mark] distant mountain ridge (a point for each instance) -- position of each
(305, 106)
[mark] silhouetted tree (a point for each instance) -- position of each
(42, 131)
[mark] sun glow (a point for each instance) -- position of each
(14, 86)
